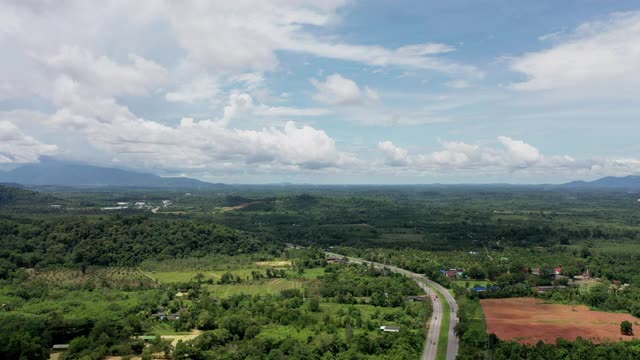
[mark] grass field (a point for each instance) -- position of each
(165, 328)
(243, 271)
(283, 332)
(308, 273)
(269, 286)
(475, 319)
(177, 276)
(472, 283)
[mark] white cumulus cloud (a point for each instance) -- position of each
(512, 157)
(18, 148)
(599, 54)
(339, 90)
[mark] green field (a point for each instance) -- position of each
(166, 329)
(472, 283)
(263, 287)
(244, 273)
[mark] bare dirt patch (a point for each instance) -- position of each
(528, 320)
(241, 206)
(278, 263)
(175, 338)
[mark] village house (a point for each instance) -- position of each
(479, 288)
(418, 298)
(334, 260)
(453, 273)
(585, 276)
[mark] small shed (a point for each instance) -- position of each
(390, 328)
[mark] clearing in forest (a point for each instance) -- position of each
(528, 320)
(241, 206)
(275, 263)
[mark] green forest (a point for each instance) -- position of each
(226, 272)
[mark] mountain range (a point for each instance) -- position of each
(60, 173)
(631, 182)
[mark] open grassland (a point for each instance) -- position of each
(177, 276)
(473, 312)
(165, 328)
(471, 283)
(263, 287)
(241, 206)
(274, 263)
(246, 274)
(216, 262)
(528, 320)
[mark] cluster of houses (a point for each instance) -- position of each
(163, 314)
(557, 271)
(136, 205)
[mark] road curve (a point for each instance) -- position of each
(431, 343)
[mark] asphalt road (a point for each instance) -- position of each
(431, 344)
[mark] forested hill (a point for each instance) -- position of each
(16, 196)
(116, 241)
(53, 172)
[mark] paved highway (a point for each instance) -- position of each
(431, 344)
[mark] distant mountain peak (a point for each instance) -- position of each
(629, 182)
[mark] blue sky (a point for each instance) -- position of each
(329, 91)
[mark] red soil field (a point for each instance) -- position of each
(528, 320)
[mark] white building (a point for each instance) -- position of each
(390, 328)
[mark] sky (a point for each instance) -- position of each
(325, 91)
